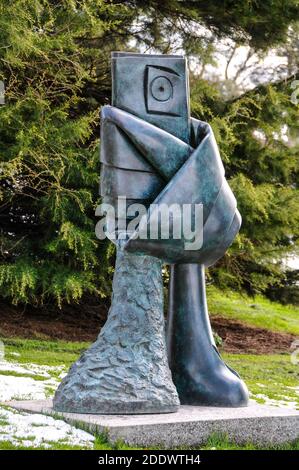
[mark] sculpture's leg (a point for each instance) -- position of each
(200, 375)
(126, 369)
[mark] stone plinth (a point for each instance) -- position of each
(190, 426)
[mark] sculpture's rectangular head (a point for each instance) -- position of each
(153, 87)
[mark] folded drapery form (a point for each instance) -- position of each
(145, 164)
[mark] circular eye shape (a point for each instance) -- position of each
(161, 88)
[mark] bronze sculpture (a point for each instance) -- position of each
(153, 153)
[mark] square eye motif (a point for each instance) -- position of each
(164, 90)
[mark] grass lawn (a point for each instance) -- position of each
(51, 353)
(269, 378)
(215, 442)
(257, 311)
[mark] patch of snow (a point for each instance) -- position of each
(32, 430)
(33, 369)
(27, 388)
(24, 388)
(293, 388)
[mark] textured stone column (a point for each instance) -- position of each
(126, 369)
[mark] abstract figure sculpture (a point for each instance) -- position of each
(153, 153)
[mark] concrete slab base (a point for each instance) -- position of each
(190, 426)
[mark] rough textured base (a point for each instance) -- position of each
(259, 424)
(126, 370)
